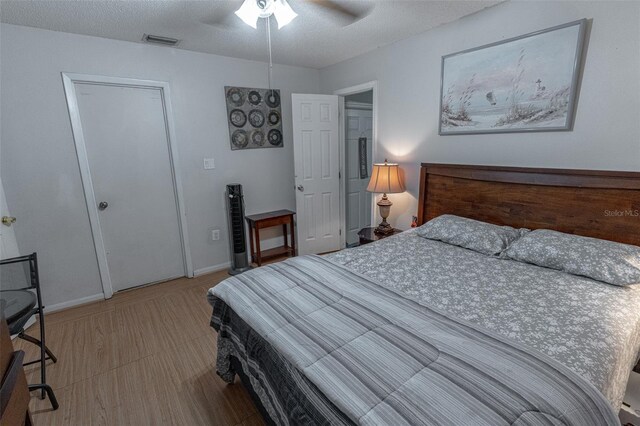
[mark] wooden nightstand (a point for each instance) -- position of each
(265, 220)
(368, 236)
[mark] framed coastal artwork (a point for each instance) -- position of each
(524, 84)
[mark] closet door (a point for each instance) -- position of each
(129, 158)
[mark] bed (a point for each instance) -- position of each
(489, 313)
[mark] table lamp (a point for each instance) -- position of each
(385, 179)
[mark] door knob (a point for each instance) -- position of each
(103, 205)
(300, 188)
(8, 220)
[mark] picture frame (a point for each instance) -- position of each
(528, 83)
(254, 118)
(362, 157)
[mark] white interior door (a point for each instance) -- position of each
(8, 243)
(127, 147)
(358, 123)
(317, 167)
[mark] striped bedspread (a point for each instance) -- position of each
(373, 357)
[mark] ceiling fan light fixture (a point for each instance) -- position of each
(283, 13)
(249, 12)
(252, 10)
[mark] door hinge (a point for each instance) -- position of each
(339, 174)
(339, 231)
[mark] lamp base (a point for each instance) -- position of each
(383, 229)
(385, 208)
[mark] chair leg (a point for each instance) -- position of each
(44, 351)
(43, 354)
(46, 388)
(37, 342)
(43, 358)
(35, 361)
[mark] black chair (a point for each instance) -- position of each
(20, 292)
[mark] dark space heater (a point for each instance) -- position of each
(237, 234)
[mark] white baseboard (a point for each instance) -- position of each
(75, 302)
(210, 269)
(100, 296)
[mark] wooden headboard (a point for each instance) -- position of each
(599, 204)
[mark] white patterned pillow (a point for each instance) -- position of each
(475, 235)
(601, 260)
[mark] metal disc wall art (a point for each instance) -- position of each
(235, 97)
(275, 137)
(274, 117)
(238, 118)
(255, 117)
(239, 139)
(273, 98)
(257, 137)
(255, 98)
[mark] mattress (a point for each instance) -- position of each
(591, 327)
(365, 354)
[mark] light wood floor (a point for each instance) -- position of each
(144, 357)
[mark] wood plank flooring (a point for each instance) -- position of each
(144, 357)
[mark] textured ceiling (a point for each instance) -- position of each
(315, 39)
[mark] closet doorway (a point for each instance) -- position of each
(357, 152)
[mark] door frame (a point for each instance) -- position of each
(69, 80)
(351, 90)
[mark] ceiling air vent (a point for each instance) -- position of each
(166, 41)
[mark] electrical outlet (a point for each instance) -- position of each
(209, 163)
(215, 234)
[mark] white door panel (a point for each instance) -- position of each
(8, 244)
(359, 123)
(317, 166)
(125, 134)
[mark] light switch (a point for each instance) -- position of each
(209, 164)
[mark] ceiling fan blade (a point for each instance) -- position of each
(223, 15)
(346, 13)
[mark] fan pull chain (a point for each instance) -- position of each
(269, 41)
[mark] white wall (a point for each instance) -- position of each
(606, 134)
(39, 166)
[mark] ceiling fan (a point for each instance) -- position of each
(250, 11)
(342, 13)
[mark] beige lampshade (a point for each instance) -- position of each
(385, 178)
